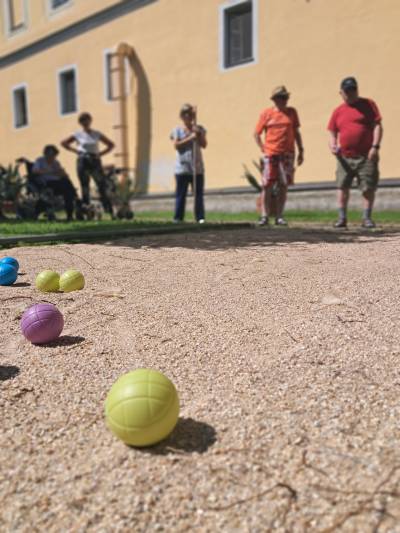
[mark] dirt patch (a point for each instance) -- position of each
(284, 347)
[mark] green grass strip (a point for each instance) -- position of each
(163, 219)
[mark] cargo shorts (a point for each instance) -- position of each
(365, 171)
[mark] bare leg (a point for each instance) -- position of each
(265, 200)
(343, 198)
(281, 200)
(369, 198)
(285, 172)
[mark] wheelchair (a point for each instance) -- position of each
(38, 197)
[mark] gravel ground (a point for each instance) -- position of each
(284, 347)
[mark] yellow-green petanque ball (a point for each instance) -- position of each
(142, 407)
(71, 280)
(48, 281)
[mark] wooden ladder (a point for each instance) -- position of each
(117, 69)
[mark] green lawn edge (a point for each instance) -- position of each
(163, 219)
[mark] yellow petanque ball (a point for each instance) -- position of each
(142, 407)
(48, 281)
(71, 280)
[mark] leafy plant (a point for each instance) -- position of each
(251, 178)
(254, 181)
(11, 184)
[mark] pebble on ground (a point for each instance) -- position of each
(284, 347)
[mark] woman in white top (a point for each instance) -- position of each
(85, 143)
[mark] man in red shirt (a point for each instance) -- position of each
(280, 125)
(355, 130)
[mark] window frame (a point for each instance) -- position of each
(14, 89)
(223, 38)
(60, 72)
(51, 11)
(107, 78)
(8, 29)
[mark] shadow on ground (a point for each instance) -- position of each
(64, 340)
(224, 239)
(189, 436)
(8, 372)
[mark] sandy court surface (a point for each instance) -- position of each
(284, 347)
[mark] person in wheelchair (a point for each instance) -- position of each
(46, 173)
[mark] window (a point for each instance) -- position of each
(54, 7)
(111, 85)
(20, 106)
(238, 21)
(56, 4)
(67, 91)
(108, 76)
(15, 15)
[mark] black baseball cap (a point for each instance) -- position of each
(349, 83)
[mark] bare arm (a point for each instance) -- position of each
(183, 141)
(259, 143)
(203, 140)
(378, 133)
(300, 147)
(67, 144)
(201, 137)
(109, 145)
(333, 142)
(377, 137)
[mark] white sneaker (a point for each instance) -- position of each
(201, 221)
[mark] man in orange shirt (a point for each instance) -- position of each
(280, 125)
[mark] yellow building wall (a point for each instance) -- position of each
(307, 45)
(41, 21)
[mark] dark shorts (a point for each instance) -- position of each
(365, 171)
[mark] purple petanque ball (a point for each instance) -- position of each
(42, 323)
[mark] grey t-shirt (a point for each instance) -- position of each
(49, 169)
(184, 156)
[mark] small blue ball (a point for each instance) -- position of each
(10, 261)
(8, 274)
